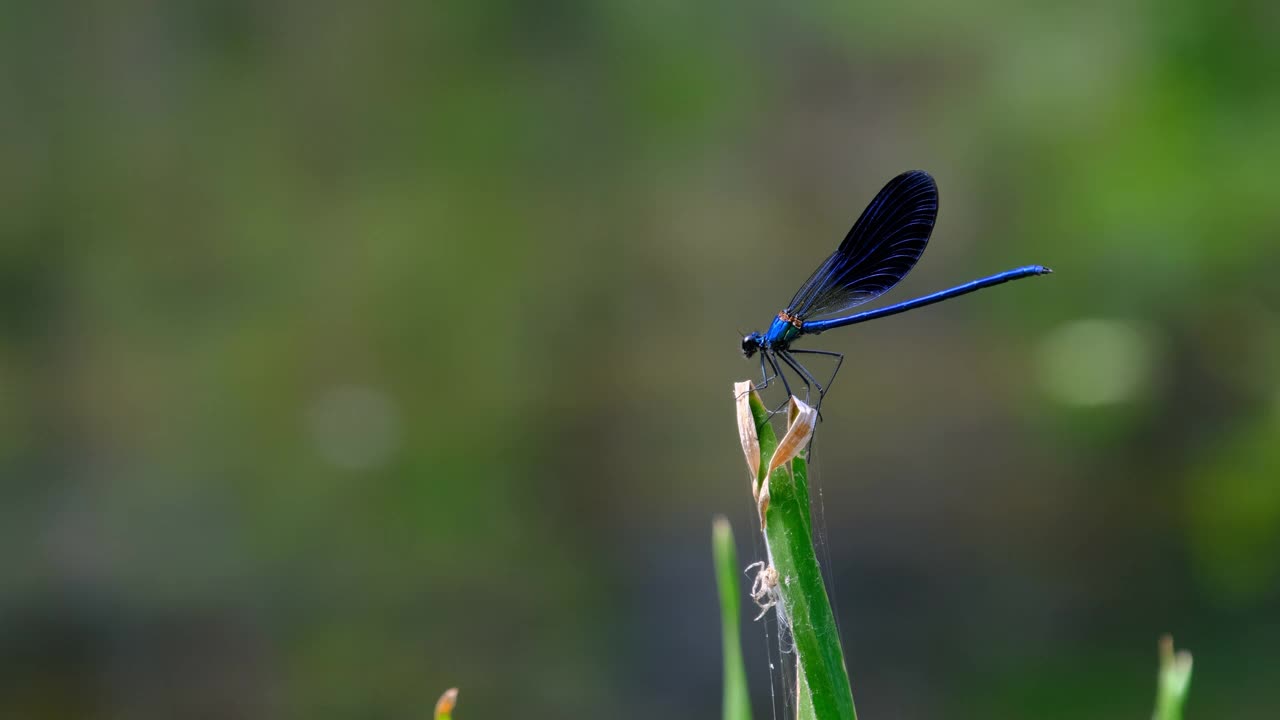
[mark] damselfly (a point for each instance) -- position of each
(879, 251)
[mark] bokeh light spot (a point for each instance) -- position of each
(354, 427)
(1094, 362)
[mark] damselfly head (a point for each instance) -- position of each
(751, 343)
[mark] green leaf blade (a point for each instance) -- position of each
(736, 703)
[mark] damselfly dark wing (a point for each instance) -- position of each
(879, 250)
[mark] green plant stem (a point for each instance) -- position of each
(803, 596)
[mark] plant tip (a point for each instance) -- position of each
(446, 703)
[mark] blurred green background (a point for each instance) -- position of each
(353, 351)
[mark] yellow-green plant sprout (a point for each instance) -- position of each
(1173, 681)
(446, 703)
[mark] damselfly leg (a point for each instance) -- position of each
(808, 379)
(770, 360)
(777, 373)
(822, 390)
(805, 376)
(765, 378)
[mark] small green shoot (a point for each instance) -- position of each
(444, 706)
